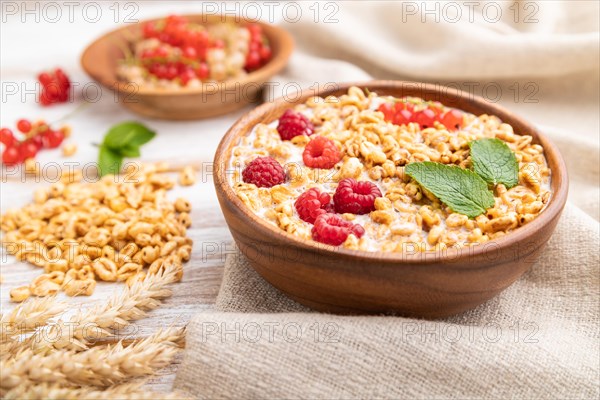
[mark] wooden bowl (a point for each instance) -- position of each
(100, 59)
(430, 285)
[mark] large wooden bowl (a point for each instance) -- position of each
(100, 59)
(348, 281)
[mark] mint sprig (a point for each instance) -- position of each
(462, 190)
(495, 162)
(121, 141)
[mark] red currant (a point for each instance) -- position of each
(388, 111)
(187, 75)
(38, 141)
(254, 29)
(402, 117)
(6, 137)
(52, 139)
(202, 71)
(44, 78)
(404, 105)
(28, 150)
(254, 46)
(189, 52)
(452, 119)
(11, 156)
(148, 30)
(23, 125)
(252, 60)
(424, 118)
(437, 108)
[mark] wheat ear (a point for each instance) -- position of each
(78, 331)
(100, 366)
(120, 392)
(28, 316)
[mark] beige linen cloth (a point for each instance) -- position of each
(539, 338)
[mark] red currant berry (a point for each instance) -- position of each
(38, 141)
(254, 29)
(404, 105)
(424, 118)
(254, 46)
(265, 53)
(189, 52)
(437, 108)
(162, 52)
(44, 78)
(252, 60)
(61, 78)
(11, 156)
(452, 119)
(6, 137)
(23, 125)
(28, 150)
(202, 71)
(388, 111)
(186, 75)
(52, 139)
(402, 117)
(172, 72)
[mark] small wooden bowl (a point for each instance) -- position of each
(100, 59)
(348, 281)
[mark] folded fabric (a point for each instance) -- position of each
(537, 339)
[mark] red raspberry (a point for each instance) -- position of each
(264, 172)
(321, 152)
(352, 196)
(313, 203)
(292, 124)
(333, 229)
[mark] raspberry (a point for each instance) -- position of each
(352, 196)
(264, 172)
(292, 124)
(333, 229)
(321, 152)
(313, 203)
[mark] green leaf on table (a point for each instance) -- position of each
(462, 190)
(495, 162)
(131, 133)
(109, 161)
(122, 140)
(130, 151)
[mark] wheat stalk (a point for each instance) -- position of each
(100, 366)
(122, 392)
(80, 330)
(28, 316)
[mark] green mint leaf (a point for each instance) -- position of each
(495, 162)
(131, 134)
(461, 189)
(109, 161)
(129, 151)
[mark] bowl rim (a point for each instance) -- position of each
(261, 75)
(264, 229)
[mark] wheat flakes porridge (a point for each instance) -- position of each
(358, 171)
